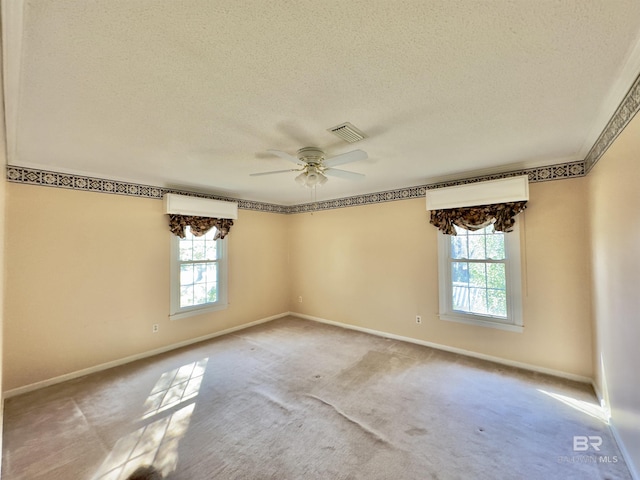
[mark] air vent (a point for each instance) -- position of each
(348, 132)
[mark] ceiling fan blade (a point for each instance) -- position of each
(336, 172)
(286, 156)
(275, 171)
(352, 156)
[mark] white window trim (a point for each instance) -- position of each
(514, 321)
(178, 313)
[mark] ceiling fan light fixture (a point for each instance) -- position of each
(301, 179)
(312, 179)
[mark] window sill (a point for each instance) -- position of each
(481, 322)
(198, 311)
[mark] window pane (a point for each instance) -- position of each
(460, 298)
(186, 296)
(199, 294)
(495, 246)
(497, 303)
(476, 246)
(212, 273)
(210, 250)
(199, 249)
(478, 300)
(477, 275)
(186, 274)
(185, 250)
(212, 292)
(459, 247)
(460, 273)
(496, 276)
(199, 272)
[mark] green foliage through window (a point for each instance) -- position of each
(198, 269)
(478, 272)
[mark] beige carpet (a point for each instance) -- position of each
(294, 399)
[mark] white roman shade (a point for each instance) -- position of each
(514, 189)
(199, 207)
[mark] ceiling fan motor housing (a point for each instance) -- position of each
(311, 155)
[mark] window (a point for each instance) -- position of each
(479, 273)
(199, 274)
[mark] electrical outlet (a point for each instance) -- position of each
(155, 328)
(300, 299)
(418, 319)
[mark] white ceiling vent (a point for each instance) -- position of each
(347, 132)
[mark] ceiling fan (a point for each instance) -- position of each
(315, 167)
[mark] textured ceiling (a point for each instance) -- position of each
(192, 94)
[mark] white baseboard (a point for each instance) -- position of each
(468, 353)
(122, 361)
(616, 435)
(1, 432)
(625, 453)
(601, 400)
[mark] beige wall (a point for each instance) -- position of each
(97, 266)
(376, 267)
(88, 275)
(615, 234)
(3, 183)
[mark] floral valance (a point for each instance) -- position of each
(502, 215)
(199, 225)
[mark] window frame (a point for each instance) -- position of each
(513, 279)
(177, 312)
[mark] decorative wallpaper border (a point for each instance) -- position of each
(541, 174)
(48, 178)
(627, 109)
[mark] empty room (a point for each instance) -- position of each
(320, 240)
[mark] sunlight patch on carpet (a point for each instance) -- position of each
(174, 387)
(587, 408)
(156, 443)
